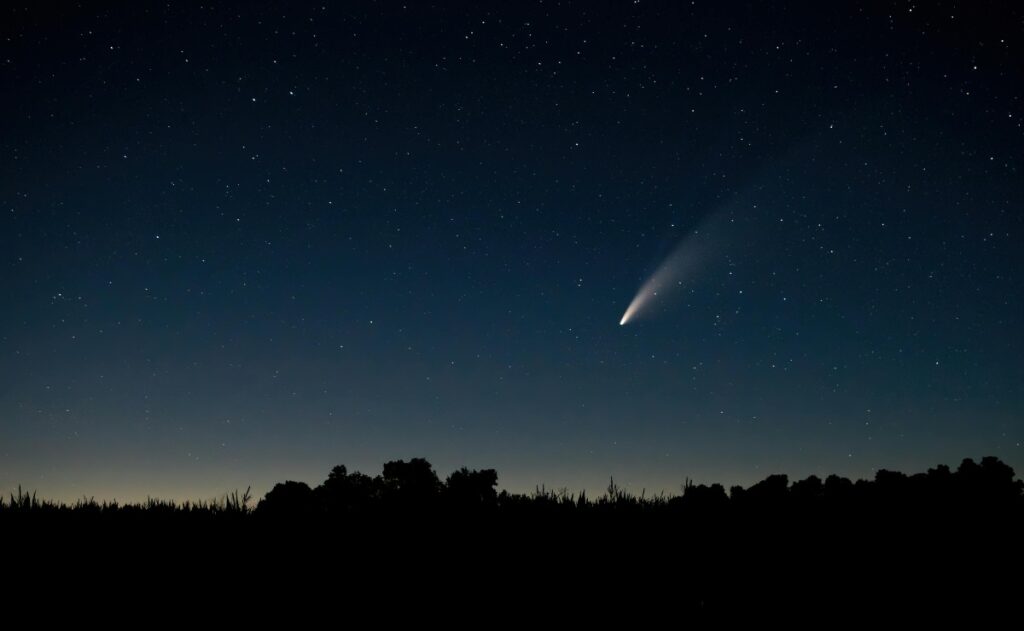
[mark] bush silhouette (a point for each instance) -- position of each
(469, 490)
(287, 498)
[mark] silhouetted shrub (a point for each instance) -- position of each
(287, 498)
(466, 489)
(701, 498)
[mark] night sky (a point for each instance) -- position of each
(244, 243)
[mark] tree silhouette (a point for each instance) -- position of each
(981, 490)
(772, 491)
(344, 493)
(808, 491)
(701, 498)
(287, 498)
(412, 484)
(466, 489)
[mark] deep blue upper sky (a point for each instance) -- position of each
(242, 243)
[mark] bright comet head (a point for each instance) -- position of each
(633, 306)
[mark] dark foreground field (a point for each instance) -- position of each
(926, 544)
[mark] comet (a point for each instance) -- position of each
(678, 268)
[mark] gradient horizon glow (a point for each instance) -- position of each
(243, 243)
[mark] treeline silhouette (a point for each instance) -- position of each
(988, 488)
(936, 541)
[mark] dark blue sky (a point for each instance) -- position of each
(243, 243)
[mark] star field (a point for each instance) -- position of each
(242, 243)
